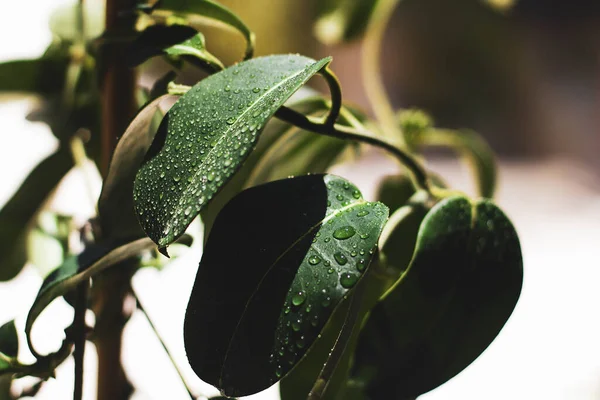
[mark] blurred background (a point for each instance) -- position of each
(527, 78)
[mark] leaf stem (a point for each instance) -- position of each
(420, 178)
(79, 333)
(336, 95)
(163, 344)
(352, 318)
(371, 71)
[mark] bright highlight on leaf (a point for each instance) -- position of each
(280, 258)
(207, 135)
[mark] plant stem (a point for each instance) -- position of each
(164, 345)
(352, 318)
(336, 95)
(371, 71)
(80, 337)
(418, 173)
(112, 287)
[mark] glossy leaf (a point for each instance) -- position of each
(78, 269)
(280, 258)
(213, 11)
(16, 217)
(115, 206)
(207, 135)
(462, 285)
(344, 21)
(173, 40)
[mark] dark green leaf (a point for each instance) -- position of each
(344, 21)
(280, 258)
(207, 135)
(173, 40)
(394, 191)
(16, 217)
(78, 269)
(115, 206)
(9, 340)
(40, 76)
(462, 285)
(213, 11)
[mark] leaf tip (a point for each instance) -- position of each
(164, 252)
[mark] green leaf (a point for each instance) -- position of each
(64, 21)
(115, 206)
(16, 217)
(76, 270)
(48, 241)
(279, 260)
(345, 21)
(463, 283)
(394, 191)
(9, 348)
(175, 41)
(273, 132)
(41, 76)
(214, 11)
(207, 135)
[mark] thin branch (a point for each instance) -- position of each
(419, 174)
(79, 332)
(336, 95)
(341, 343)
(164, 345)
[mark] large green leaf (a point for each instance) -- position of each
(462, 285)
(280, 258)
(115, 206)
(78, 269)
(344, 21)
(211, 10)
(16, 217)
(207, 135)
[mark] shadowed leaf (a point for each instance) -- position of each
(280, 258)
(207, 135)
(343, 20)
(462, 285)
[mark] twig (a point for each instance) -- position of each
(79, 333)
(164, 345)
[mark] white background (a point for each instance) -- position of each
(549, 349)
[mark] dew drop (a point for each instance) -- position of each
(362, 213)
(356, 194)
(364, 236)
(314, 260)
(340, 258)
(296, 325)
(348, 280)
(343, 233)
(298, 298)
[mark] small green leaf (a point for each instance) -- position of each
(394, 191)
(345, 21)
(9, 340)
(279, 260)
(207, 135)
(48, 241)
(78, 269)
(172, 40)
(213, 11)
(16, 217)
(115, 206)
(463, 283)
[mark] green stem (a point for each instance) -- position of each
(371, 71)
(418, 173)
(341, 343)
(336, 95)
(164, 345)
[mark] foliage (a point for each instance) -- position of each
(301, 279)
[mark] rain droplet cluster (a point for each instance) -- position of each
(342, 248)
(210, 131)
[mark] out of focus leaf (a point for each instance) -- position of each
(64, 20)
(78, 269)
(213, 11)
(309, 239)
(115, 206)
(43, 76)
(344, 20)
(48, 241)
(16, 217)
(462, 285)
